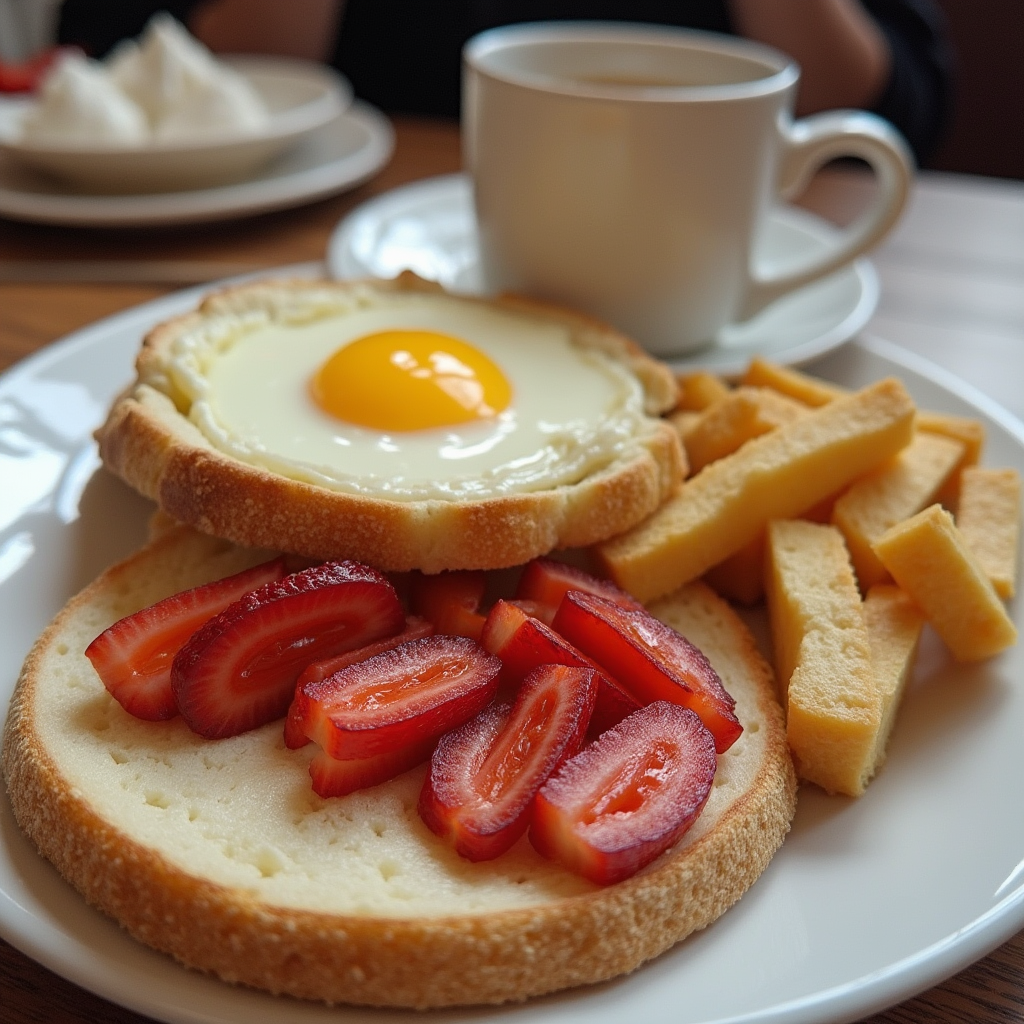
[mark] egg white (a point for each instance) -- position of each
(246, 380)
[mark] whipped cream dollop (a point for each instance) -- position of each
(79, 103)
(183, 89)
(165, 87)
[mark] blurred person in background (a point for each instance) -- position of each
(404, 56)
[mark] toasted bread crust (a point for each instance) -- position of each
(152, 446)
(419, 961)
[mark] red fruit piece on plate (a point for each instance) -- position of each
(484, 775)
(628, 796)
(294, 735)
(404, 696)
(450, 600)
(524, 643)
(133, 656)
(239, 670)
(546, 581)
(339, 778)
(651, 660)
(26, 76)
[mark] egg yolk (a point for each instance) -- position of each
(410, 380)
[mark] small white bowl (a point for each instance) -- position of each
(302, 97)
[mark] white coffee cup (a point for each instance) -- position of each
(626, 170)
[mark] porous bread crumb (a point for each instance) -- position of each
(894, 623)
(988, 517)
(822, 656)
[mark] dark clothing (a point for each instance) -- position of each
(96, 25)
(405, 55)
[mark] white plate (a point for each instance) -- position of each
(336, 156)
(300, 97)
(867, 903)
(429, 227)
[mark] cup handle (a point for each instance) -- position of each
(807, 145)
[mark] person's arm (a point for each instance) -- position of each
(843, 54)
(296, 28)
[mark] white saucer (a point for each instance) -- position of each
(429, 227)
(336, 156)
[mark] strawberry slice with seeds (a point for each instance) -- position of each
(294, 736)
(524, 643)
(339, 778)
(628, 796)
(483, 776)
(652, 661)
(133, 656)
(546, 581)
(239, 670)
(403, 696)
(451, 601)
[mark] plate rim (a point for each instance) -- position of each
(851, 1000)
(342, 264)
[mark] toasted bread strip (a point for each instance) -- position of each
(894, 623)
(684, 420)
(740, 577)
(787, 381)
(814, 392)
(929, 559)
(777, 476)
(699, 391)
(727, 425)
(890, 493)
(822, 656)
(988, 517)
(969, 432)
(218, 852)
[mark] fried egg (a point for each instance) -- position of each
(406, 396)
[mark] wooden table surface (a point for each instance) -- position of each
(952, 289)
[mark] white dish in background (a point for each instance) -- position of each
(429, 227)
(867, 903)
(301, 96)
(336, 156)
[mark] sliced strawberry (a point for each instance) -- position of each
(483, 776)
(524, 643)
(339, 778)
(652, 661)
(451, 601)
(133, 656)
(294, 735)
(628, 796)
(406, 695)
(239, 670)
(546, 581)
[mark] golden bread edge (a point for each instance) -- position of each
(151, 446)
(427, 962)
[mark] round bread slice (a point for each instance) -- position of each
(220, 854)
(155, 439)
